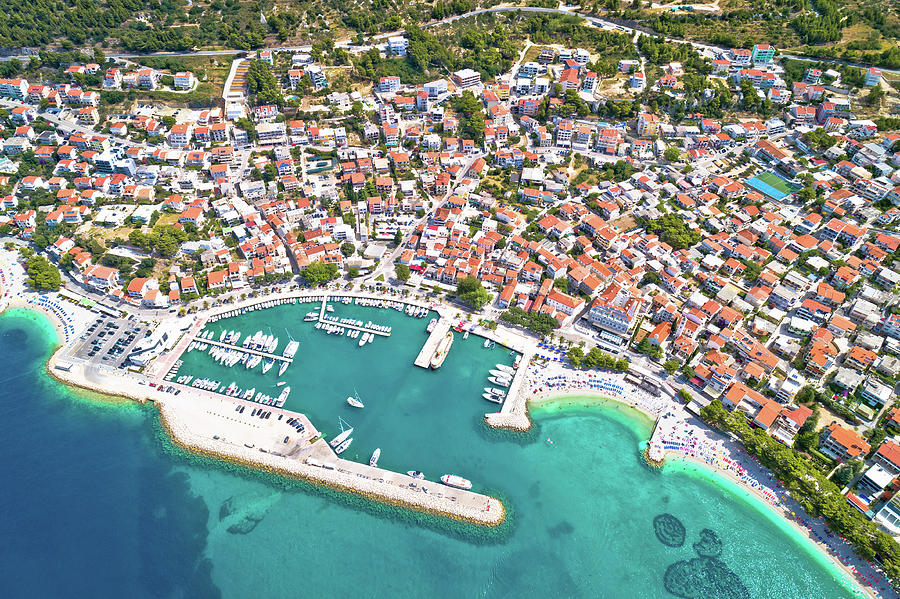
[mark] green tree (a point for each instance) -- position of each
(672, 154)
(42, 275)
(398, 237)
(319, 273)
(471, 291)
(348, 249)
(402, 272)
(575, 355)
(671, 366)
(846, 472)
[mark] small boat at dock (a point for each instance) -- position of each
(492, 398)
(500, 381)
(507, 369)
(443, 348)
(416, 474)
(452, 480)
(343, 446)
(373, 461)
(343, 436)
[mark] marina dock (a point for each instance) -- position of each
(246, 350)
(423, 360)
(336, 322)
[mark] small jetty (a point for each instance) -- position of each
(438, 333)
(245, 350)
(513, 414)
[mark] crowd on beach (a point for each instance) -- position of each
(676, 433)
(544, 381)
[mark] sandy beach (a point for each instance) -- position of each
(687, 439)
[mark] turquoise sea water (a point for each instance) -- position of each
(97, 503)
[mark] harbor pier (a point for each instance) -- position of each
(423, 360)
(245, 350)
(514, 412)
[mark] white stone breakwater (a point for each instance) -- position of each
(210, 425)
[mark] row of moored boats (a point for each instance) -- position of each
(501, 377)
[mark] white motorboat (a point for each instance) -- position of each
(267, 365)
(353, 401)
(416, 474)
(500, 381)
(373, 461)
(283, 367)
(495, 391)
(452, 480)
(499, 374)
(507, 369)
(280, 383)
(487, 342)
(343, 446)
(282, 397)
(492, 398)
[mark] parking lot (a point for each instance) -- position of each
(109, 340)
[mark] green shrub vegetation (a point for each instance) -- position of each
(540, 323)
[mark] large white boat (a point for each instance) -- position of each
(290, 349)
(495, 391)
(431, 324)
(500, 381)
(452, 480)
(364, 339)
(267, 365)
(355, 402)
(507, 369)
(283, 367)
(487, 343)
(373, 461)
(499, 374)
(416, 474)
